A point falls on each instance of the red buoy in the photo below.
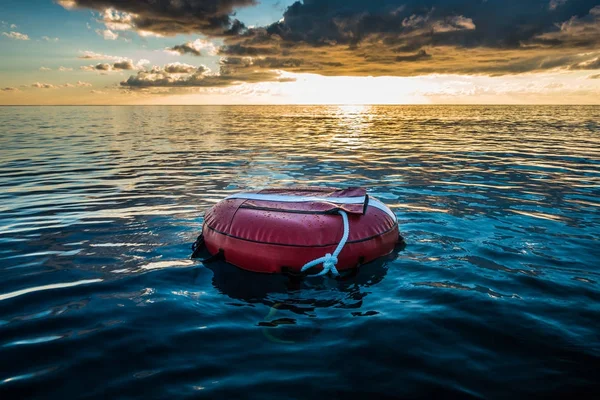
(281, 230)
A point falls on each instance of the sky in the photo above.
(299, 52)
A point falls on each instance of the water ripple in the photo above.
(498, 283)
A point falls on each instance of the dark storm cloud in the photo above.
(409, 37)
(239, 50)
(468, 23)
(277, 63)
(377, 38)
(186, 48)
(172, 17)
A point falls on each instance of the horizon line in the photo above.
(307, 104)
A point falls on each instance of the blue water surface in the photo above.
(496, 295)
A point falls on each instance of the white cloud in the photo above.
(179, 68)
(97, 67)
(13, 26)
(43, 85)
(90, 55)
(83, 84)
(45, 69)
(118, 65)
(117, 20)
(143, 33)
(107, 34)
(140, 64)
(64, 69)
(15, 35)
(49, 39)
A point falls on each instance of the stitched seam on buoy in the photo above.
(395, 226)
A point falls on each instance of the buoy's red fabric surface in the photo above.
(274, 231)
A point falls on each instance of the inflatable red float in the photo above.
(299, 230)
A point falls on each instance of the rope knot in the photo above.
(329, 261)
(329, 264)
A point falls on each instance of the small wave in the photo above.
(53, 286)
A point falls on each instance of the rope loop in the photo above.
(330, 261)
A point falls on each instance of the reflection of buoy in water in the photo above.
(299, 230)
(272, 324)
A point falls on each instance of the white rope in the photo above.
(330, 260)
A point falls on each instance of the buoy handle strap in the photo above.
(329, 261)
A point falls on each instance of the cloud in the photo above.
(420, 55)
(125, 65)
(276, 63)
(122, 64)
(45, 69)
(9, 89)
(554, 4)
(39, 85)
(90, 55)
(427, 22)
(248, 51)
(15, 35)
(597, 76)
(588, 64)
(107, 34)
(364, 38)
(65, 69)
(179, 68)
(97, 67)
(410, 37)
(50, 39)
(83, 84)
(178, 75)
(97, 92)
(554, 85)
(167, 17)
(68, 85)
(196, 48)
(577, 31)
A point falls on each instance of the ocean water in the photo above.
(496, 295)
